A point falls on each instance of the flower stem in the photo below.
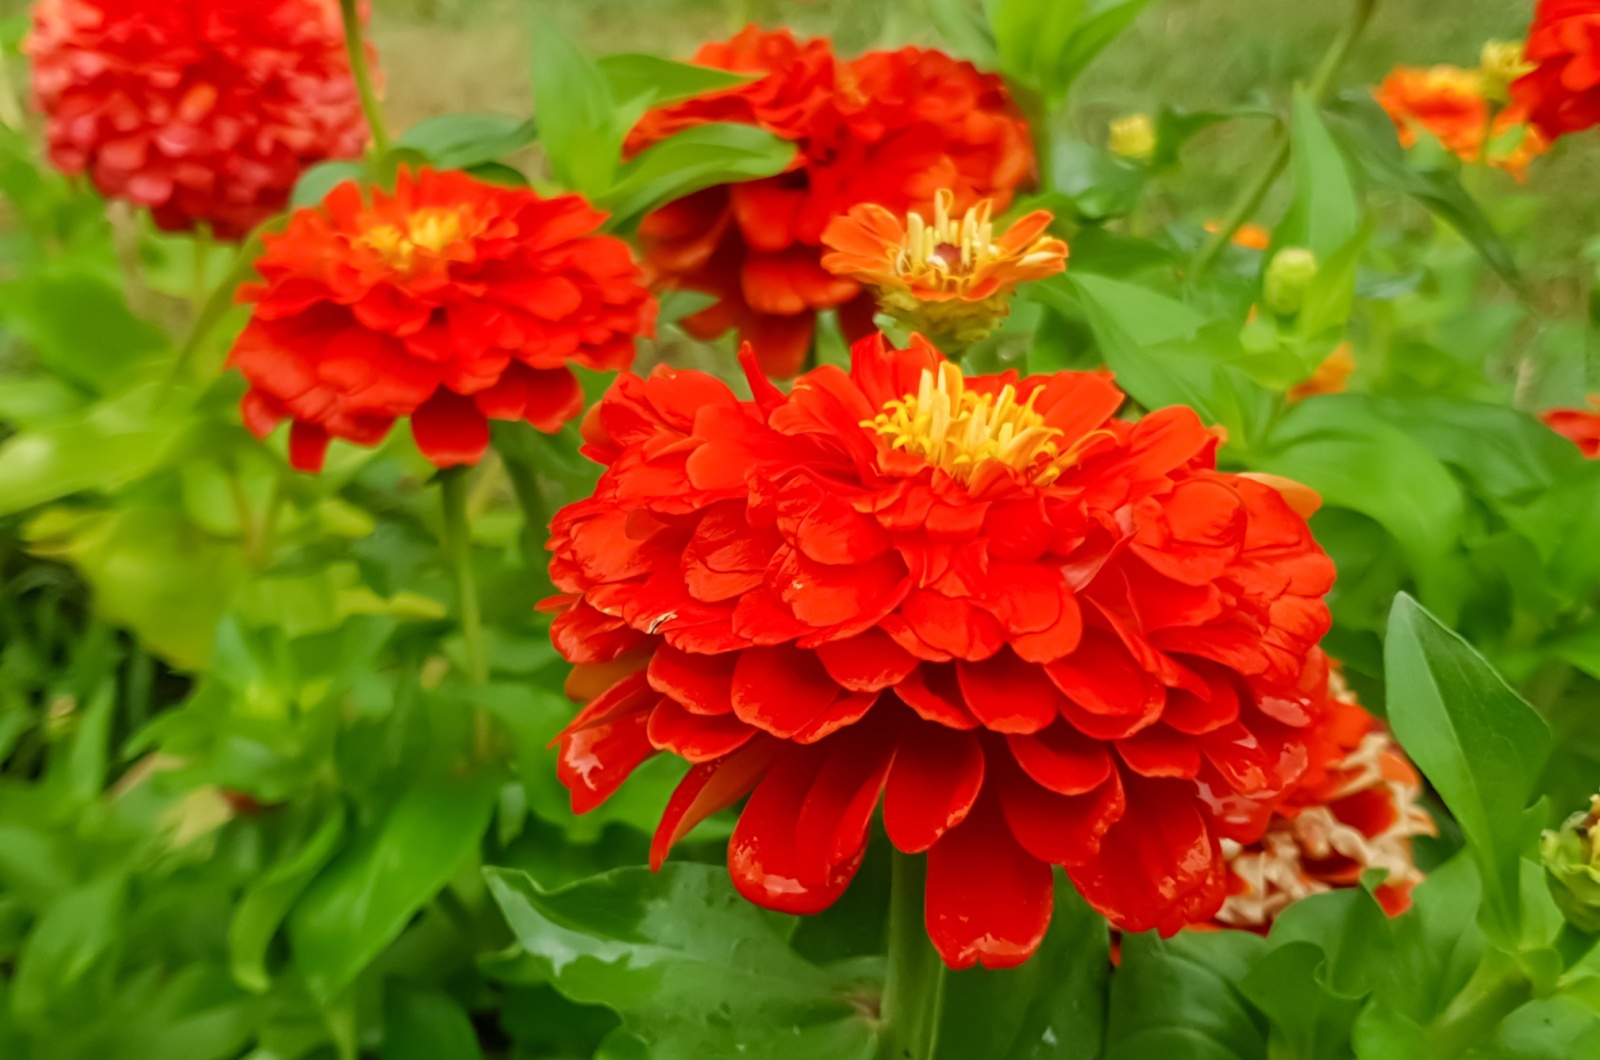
(1255, 190)
(363, 75)
(458, 547)
(1498, 988)
(913, 993)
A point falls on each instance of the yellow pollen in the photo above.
(947, 253)
(973, 436)
(433, 229)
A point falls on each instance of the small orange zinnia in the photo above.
(948, 277)
(449, 301)
(1452, 105)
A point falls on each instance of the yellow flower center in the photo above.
(947, 253)
(433, 229)
(973, 436)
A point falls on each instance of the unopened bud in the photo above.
(1134, 138)
(1572, 868)
(1503, 64)
(1289, 277)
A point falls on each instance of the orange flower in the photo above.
(1580, 426)
(1452, 105)
(890, 128)
(1445, 101)
(1329, 378)
(1249, 236)
(205, 113)
(950, 276)
(450, 301)
(1357, 809)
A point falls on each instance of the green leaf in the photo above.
(1029, 35)
(315, 183)
(1352, 931)
(79, 326)
(694, 159)
(363, 900)
(67, 941)
(1340, 447)
(1324, 215)
(265, 903)
(695, 971)
(1179, 999)
(462, 141)
(426, 1025)
(640, 83)
(1477, 742)
(1555, 1028)
(1051, 1008)
(1105, 21)
(962, 25)
(577, 116)
(1369, 140)
(1309, 1021)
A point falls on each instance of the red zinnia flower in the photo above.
(1580, 426)
(1452, 105)
(202, 112)
(1562, 94)
(890, 128)
(449, 301)
(1043, 635)
(1356, 809)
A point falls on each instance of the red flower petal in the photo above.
(1009, 695)
(763, 856)
(1062, 759)
(709, 787)
(933, 692)
(988, 899)
(450, 430)
(781, 689)
(867, 662)
(695, 737)
(936, 777)
(701, 683)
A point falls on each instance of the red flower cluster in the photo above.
(1041, 634)
(450, 301)
(1562, 94)
(890, 128)
(205, 113)
(1579, 426)
(1355, 809)
(1450, 104)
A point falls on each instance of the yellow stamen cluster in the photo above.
(974, 437)
(947, 254)
(432, 229)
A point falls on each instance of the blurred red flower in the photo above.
(1355, 809)
(450, 301)
(1562, 94)
(1041, 634)
(890, 128)
(205, 113)
(1580, 426)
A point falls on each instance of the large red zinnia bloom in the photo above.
(891, 128)
(1355, 809)
(450, 301)
(1041, 634)
(202, 112)
(1562, 94)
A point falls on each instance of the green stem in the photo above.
(11, 112)
(535, 511)
(458, 547)
(913, 993)
(363, 75)
(1255, 191)
(199, 285)
(1498, 988)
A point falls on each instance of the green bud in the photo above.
(1289, 277)
(1572, 868)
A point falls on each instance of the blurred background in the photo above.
(1197, 54)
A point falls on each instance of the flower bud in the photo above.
(1503, 63)
(1289, 277)
(1572, 867)
(1134, 138)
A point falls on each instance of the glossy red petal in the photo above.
(988, 899)
(763, 855)
(932, 690)
(781, 689)
(932, 786)
(867, 662)
(709, 787)
(703, 684)
(696, 737)
(1062, 759)
(1009, 695)
(450, 430)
